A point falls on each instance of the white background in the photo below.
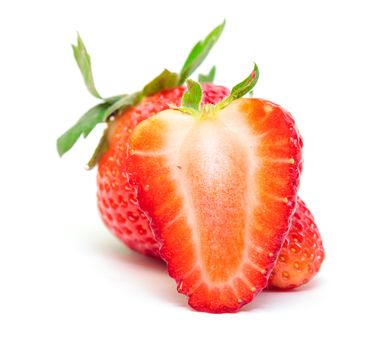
(66, 283)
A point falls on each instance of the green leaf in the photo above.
(113, 99)
(191, 99)
(246, 85)
(165, 80)
(102, 147)
(199, 53)
(84, 63)
(83, 126)
(98, 114)
(208, 78)
(119, 105)
(242, 88)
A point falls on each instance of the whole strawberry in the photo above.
(302, 253)
(117, 198)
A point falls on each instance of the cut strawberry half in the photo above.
(219, 186)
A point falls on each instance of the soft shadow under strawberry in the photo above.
(147, 272)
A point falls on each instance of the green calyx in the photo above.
(199, 53)
(207, 78)
(241, 88)
(191, 100)
(113, 106)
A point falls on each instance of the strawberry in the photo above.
(117, 197)
(302, 253)
(219, 186)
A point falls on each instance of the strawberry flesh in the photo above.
(220, 192)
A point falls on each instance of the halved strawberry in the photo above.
(302, 253)
(219, 187)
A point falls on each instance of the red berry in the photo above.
(302, 253)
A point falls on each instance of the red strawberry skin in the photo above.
(302, 253)
(117, 197)
(220, 193)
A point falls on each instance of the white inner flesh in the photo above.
(187, 133)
